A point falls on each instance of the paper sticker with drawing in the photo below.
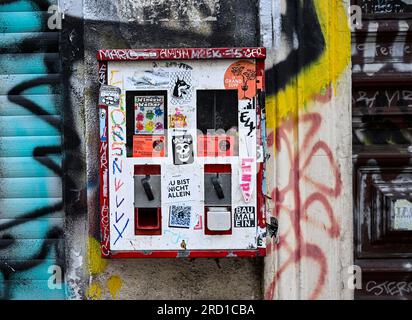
(181, 87)
(178, 119)
(182, 146)
(157, 77)
(241, 75)
(149, 114)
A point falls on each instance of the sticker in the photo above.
(148, 146)
(215, 146)
(178, 120)
(182, 146)
(261, 237)
(199, 224)
(247, 118)
(245, 217)
(109, 100)
(103, 118)
(241, 75)
(402, 215)
(247, 128)
(181, 88)
(150, 78)
(246, 178)
(109, 95)
(179, 189)
(260, 154)
(149, 114)
(181, 186)
(179, 216)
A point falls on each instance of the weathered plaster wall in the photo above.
(127, 24)
(308, 111)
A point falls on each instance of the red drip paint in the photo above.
(300, 212)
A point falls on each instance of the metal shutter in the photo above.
(31, 214)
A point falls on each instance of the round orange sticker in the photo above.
(241, 75)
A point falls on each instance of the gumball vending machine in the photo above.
(182, 152)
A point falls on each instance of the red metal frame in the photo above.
(210, 232)
(218, 168)
(103, 56)
(261, 214)
(104, 194)
(148, 231)
(181, 54)
(260, 252)
(104, 180)
(147, 169)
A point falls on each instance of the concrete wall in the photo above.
(308, 110)
(151, 24)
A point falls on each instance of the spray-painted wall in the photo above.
(309, 141)
(308, 116)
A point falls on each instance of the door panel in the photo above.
(382, 148)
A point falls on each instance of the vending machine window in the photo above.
(146, 123)
(217, 115)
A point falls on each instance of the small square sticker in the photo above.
(180, 216)
(245, 217)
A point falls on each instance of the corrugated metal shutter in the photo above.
(31, 214)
